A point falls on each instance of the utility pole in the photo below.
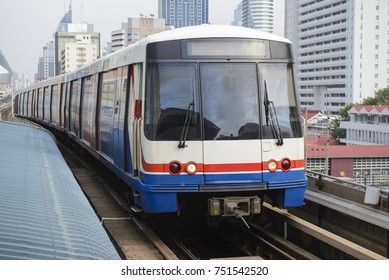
(327, 142)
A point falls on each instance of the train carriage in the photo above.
(200, 119)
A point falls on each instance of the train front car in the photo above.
(221, 124)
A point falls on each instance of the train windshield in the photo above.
(220, 101)
(277, 88)
(230, 100)
(172, 92)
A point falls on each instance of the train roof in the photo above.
(136, 52)
(209, 30)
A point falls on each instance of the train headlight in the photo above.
(272, 165)
(286, 164)
(191, 168)
(175, 168)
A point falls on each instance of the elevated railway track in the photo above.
(283, 236)
(334, 216)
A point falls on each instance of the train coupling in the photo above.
(234, 206)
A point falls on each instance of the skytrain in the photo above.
(199, 119)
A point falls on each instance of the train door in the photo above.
(47, 104)
(67, 107)
(107, 112)
(74, 109)
(119, 118)
(280, 118)
(62, 105)
(27, 104)
(88, 109)
(230, 104)
(32, 109)
(134, 118)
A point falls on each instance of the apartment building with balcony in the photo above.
(341, 50)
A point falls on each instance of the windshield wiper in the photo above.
(185, 128)
(271, 118)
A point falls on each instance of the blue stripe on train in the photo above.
(159, 195)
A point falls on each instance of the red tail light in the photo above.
(286, 164)
(175, 168)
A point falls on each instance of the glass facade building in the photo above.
(258, 14)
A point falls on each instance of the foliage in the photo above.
(343, 115)
(336, 131)
(381, 98)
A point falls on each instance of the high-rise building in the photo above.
(78, 53)
(258, 14)
(136, 29)
(180, 13)
(46, 64)
(49, 59)
(238, 15)
(75, 31)
(341, 50)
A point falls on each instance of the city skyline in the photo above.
(34, 26)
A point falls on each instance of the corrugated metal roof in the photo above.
(43, 212)
(341, 151)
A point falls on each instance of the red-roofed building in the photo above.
(368, 125)
(365, 164)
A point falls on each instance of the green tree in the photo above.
(381, 98)
(336, 131)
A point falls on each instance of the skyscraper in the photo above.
(258, 14)
(66, 19)
(341, 50)
(180, 13)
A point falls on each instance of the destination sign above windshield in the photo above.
(230, 48)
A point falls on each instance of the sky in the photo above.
(26, 25)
